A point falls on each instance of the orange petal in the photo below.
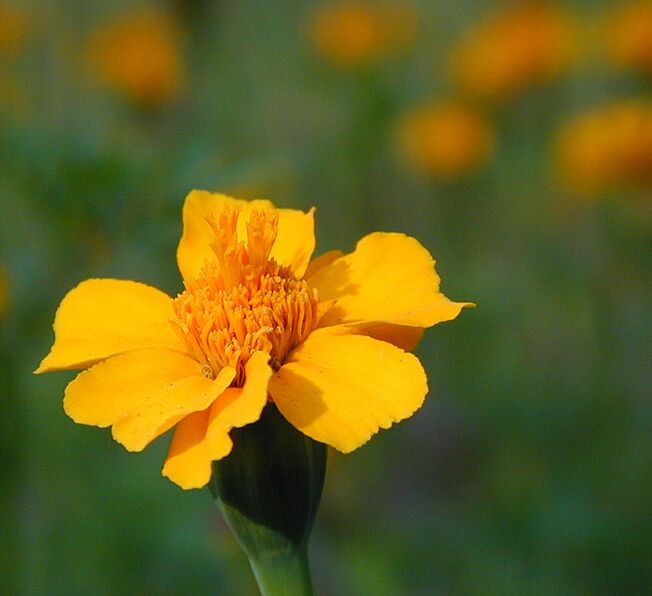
(142, 394)
(340, 389)
(294, 243)
(103, 317)
(203, 437)
(389, 278)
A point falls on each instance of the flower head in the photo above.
(629, 35)
(446, 139)
(257, 321)
(359, 33)
(522, 46)
(609, 146)
(139, 56)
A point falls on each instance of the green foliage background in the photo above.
(529, 469)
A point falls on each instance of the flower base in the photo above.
(269, 489)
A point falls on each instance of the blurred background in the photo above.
(514, 139)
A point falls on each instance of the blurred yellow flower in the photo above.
(446, 139)
(607, 147)
(521, 46)
(629, 35)
(359, 33)
(140, 56)
(14, 27)
(257, 321)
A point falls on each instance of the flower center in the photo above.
(243, 301)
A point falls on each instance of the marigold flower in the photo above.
(514, 49)
(446, 139)
(629, 35)
(606, 147)
(325, 340)
(359, 33)
(14, 27)
(140, 56)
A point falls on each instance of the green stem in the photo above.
(283, 576)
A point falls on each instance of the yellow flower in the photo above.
(629, 36)
(607, 147)
(14, 26)
(446, 139)
(359, 33)
(140, 56)
(517, 48)
(324, 341)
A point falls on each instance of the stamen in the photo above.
(243, 301)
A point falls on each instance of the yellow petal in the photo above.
(188, 464)
(402, 336)
(161, 411)
(294, 243)
(203, 437)
(194, 246)
(103, 317)
(321, 261)
(389, 278)
(142, 394)
(340, 389)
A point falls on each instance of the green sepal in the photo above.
(269, 488)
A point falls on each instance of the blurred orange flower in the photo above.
(359, 33)
(516, 48)
(140, 56)
(14, 27)
(607, 147)
(446, 139)
(629, 36)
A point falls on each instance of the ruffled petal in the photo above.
(340, 389)
(160, 412)
(389, 278)
(203, 437)
(104, 317)
(294, 244)
(142, 394)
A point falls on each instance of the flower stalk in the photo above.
(269, 490)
